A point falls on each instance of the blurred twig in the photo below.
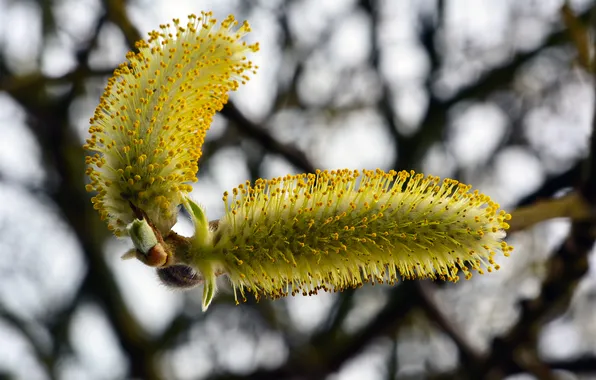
(116, 13)
(579, 33)
(414, 146)
(317, 362)
(572, 206)
(385, 105)
(564, 270)
(468, 356)
(48, 119)
(24, 328)
(266, 140)
(567, 179)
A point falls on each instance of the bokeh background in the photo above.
(492, 93)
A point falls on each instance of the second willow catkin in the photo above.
(339, 229)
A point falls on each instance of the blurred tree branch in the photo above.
(564, 270)
(25, 329)
(572, 206)
(62, 150)
(258, 133)
(432, 127)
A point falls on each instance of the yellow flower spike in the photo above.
(149, 127)
(339, 229)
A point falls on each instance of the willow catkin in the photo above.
(148, 129)
(339, 229)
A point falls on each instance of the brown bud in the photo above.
(155, 257)
(179, 276)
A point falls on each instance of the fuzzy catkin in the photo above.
(149, 127)
(339, 229)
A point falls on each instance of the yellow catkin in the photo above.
(336, 230)
(149, 127)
